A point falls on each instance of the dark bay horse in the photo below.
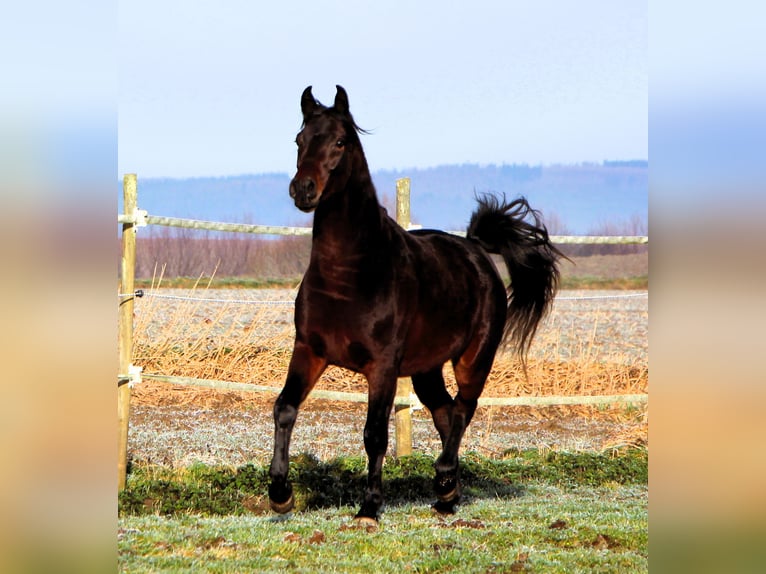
(389, 303)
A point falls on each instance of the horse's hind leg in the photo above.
(431, 391)
(305, 368)
(471, 372)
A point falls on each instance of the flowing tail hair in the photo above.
(532, 260)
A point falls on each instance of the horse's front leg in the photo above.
(305, 368)
(382, 389)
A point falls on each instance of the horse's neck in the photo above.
(350, 225)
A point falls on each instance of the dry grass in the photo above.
(251, 343)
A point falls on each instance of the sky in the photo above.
(213, 88)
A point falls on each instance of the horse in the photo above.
(387, 302)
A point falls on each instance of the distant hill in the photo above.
(578, 197)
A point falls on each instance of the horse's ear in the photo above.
(308, 103)
(341, 100)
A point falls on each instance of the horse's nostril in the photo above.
(304, 188)
(307, 187)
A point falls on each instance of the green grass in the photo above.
(530, 512)
(209, 490)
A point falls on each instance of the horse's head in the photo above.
(328, 137)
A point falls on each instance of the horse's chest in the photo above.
(346, 333)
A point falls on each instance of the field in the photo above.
(554, 489)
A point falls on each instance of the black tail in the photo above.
(531, 258)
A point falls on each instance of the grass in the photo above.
(244, 343)
(626, 271)
(618, 283)
(214, 490)
(529, 512)
(252, 342)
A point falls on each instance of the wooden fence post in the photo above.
(125, 332)
(402, 414)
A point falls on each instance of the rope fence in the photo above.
(141, 293)
(408, 401)
(141, 218)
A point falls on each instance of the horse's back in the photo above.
(457, 260)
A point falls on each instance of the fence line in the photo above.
(142, 218)
(410, 401)
(599, 297)
(141, 293)
(405, 400)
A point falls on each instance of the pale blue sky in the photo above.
(213, 88)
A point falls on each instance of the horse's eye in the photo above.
(340, 143)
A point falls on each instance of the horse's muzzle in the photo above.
(304, 192)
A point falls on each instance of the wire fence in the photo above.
(141, 293)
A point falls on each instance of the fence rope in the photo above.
(206, 300)
(594, 297)
(141, 293)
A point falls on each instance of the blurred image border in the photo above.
(58, 176)
(707, 122)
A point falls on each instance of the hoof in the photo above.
(441, 507)
(366, 523)
(283, 507)
(452, 496)
(447, 488)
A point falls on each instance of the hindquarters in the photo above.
(460, 307)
